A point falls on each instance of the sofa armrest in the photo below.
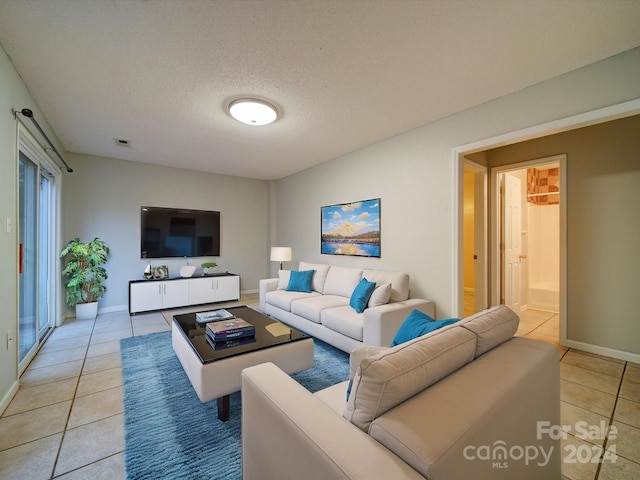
(381, 323)
(288, 433)
(266, 285)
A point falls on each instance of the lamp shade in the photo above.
(280, 254)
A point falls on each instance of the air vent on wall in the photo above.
(122, 142)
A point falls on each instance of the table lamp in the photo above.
(280, 254)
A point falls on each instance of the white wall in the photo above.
(103, 198)
(413, 175)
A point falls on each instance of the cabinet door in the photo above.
(175, 293)
(145, 296)
(227, 288)
(201, 291)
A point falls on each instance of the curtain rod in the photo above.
(29, 114)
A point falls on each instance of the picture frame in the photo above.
(351, 229)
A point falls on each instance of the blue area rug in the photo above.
(169, 433)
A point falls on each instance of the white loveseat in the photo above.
(325, 312)
(468, 401)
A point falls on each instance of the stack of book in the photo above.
(229, 333)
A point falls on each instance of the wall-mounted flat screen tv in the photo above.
(178, 232)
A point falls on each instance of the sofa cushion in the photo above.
(357, 355)
(341, 281)
(380, 295)
(311, 308)
(300, 281)
(360, 353)
(361, 294)
(282, 299)
(416, 325)
(333, 396)
(344, 320)
(399, 282)
(493, 326)
(320, 275)
(283, 279)
(391, 377)
(498, 399)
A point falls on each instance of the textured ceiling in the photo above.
(344, 74)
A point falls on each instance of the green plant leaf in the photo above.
(84, 270)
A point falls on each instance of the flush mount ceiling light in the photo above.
(253, 111)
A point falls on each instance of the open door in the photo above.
(511, 240)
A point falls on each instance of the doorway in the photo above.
(528, 246)
(476, 151)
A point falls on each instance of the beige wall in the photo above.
(103, 198)
(603, 227)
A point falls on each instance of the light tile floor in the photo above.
(66, 421)
(599, 398)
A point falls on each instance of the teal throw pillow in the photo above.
(300, 281)
(418, 324)
(361, 294)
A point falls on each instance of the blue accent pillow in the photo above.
(361, 295)
(300, 281)
(418, 324)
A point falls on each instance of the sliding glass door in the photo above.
(27, 267)
(36, 247)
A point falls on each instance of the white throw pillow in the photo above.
(283, 279)
(380, 295)
(319, 275)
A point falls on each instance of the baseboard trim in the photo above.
(526, 306)
(6, 400)
(120, 308)
(116, 308)
(607, 352)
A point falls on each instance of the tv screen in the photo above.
(178, 232)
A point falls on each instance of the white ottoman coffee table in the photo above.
(215, 374)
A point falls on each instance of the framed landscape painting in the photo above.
(351, 229)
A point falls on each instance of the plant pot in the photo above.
(87, 311)
(209, 270)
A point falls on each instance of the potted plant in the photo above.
(85, 275)
(209, 267)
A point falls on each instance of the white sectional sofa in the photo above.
(464, 402)
(325, 312)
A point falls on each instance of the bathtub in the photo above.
(544, 296)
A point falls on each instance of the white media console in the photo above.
(149, 295)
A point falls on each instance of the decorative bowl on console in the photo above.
(187, 271)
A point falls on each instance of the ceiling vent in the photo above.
(122, 142)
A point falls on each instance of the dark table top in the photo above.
(269, 333)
